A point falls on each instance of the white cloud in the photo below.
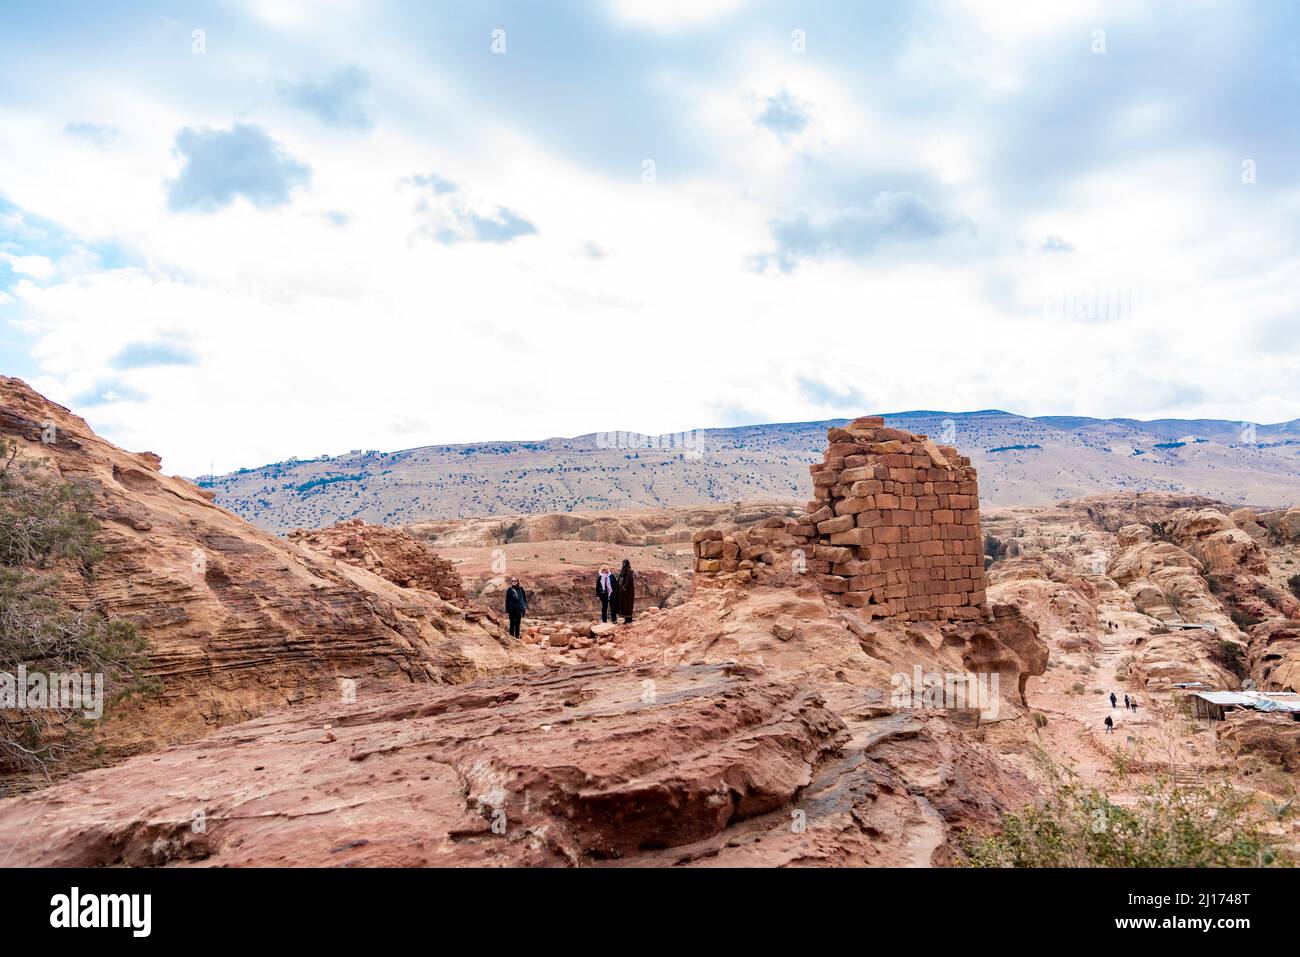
(37, 267)
(335, 322)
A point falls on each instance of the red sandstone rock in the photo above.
(238, 621)
(602, 763)
(393, 553)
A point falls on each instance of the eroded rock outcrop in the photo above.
(1115, 510)
(655, 765)
(1274, 655)
(1212, 537)
(601, 762)
(1273, 737)
(238, 622)
(392, 553)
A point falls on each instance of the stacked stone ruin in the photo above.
(893, 529)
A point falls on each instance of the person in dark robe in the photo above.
(1110, 724)
(607, 592)
(626, 591)
(516, 605)
(1113, 700)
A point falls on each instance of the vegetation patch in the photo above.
(1169, 826)
(47, 530)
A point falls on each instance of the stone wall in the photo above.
(893, 528)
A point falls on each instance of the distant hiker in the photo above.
(1113, 702)
(1110, 724)
(1133, 703)
(626, 591)
(607, 591)
(516, 605)
(1126, 702)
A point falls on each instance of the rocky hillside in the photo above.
(1020, 460)
(749, 723)
(237, 621)
(753, 719)
(1139, 568)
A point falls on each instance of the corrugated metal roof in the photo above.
(1273, 704)
(1224, 697)
(1278, 701)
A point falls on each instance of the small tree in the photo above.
(1230, 656)
(43, 521)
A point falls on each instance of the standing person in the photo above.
(516, 605)
(626, 591)
(1126, 702)
(1113, 702)
(1133, 703)
(607, 590)
(1110, 724)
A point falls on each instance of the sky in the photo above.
(235, 232)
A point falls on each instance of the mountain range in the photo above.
(1021, 461)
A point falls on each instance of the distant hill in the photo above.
(1022, 461)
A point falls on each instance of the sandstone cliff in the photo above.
(238, 621)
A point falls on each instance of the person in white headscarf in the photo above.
(607, 592)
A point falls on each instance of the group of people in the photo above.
(617, 594)
(1130, 704)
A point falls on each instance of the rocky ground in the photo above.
(707, 763)
(750, 720)
(665, 744)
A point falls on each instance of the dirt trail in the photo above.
(1075, 734)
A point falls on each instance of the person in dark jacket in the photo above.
(607, 592)
(626, 591)
(1112, 699)
(516, 605)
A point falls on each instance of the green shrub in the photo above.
(1230, 656)
(43, 520)
(1215, 826)
(1243, 620)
